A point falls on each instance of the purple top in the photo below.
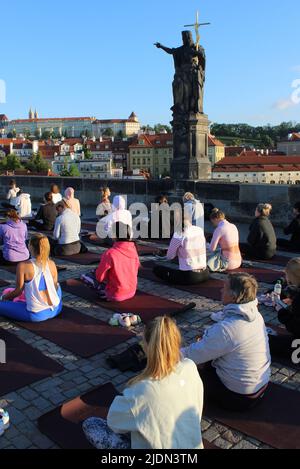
(13, 236)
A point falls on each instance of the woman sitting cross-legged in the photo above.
(224, 246)
(37, 278)
(13, 236)
(162, 407)
(116, 275)
(289, 315)
(189, 246)
(66, 232)
(238, 348)
(262, 237)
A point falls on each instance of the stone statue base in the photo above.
(191, 149)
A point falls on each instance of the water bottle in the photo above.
(277, 291)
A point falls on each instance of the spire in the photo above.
(30, 114)
(36, 116)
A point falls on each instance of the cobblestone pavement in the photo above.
(80, 375)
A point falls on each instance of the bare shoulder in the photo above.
(52, 266)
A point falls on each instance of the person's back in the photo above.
(12, 194)
(119, 269)
(227, 236)
(47, 214)
(23, 205)
(37, 278)
(67, 227)
(167, 413)
(192, 250)
(119, 214)
(262, 236)
(238, 344)
(13, 234)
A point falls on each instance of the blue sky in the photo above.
(96, 58)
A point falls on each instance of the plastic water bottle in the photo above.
(277, 291)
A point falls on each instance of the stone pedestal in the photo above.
(191, 148)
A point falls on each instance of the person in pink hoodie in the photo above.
(116, 275)
(224, 246)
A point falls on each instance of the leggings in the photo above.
(19, 312)
(252, 252)
(172, 274)
(101, 436)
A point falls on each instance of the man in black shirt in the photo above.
(46, 216)
(293, 229)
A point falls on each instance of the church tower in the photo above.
(30, 114)
(36, 116)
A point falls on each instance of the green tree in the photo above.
(108, 132)
(11, 162)
(87, 153)
(37, 164)
(73, 171)
(267, 141)
(46, 134)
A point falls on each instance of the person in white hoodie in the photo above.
(238, 347)
(119, 214)
(23, 205)
(162, 407)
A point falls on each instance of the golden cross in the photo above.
(197, 26)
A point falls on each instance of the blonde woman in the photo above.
(289, 315)
(37, 278)
(262, 237)
(162, 407)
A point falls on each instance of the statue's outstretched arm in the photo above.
(166, 49)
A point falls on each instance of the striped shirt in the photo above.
(190, 248)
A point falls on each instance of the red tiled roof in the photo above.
(257, 169)
(8, 141)
(111, 121)
(154, 141)
(252, 158)
(51, 119)
(214, 142)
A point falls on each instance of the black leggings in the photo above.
(216, 392)
(171, 273)
(252, 252)
(281, 346)
(65, 249)
(287, 244)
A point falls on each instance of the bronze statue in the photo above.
(188, 84)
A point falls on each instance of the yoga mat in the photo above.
(80, 334)
(63, 425)
(3, 283)
(88, 226)
(211, 289)
(24, 365)
(87, 258)
(143, 250)
(275, 421)
(261, 275)
(146, 305)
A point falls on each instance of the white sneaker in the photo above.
(217, 317)
(4, 421)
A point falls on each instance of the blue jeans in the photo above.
(18, 311)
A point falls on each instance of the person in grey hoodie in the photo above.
(238, 347)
